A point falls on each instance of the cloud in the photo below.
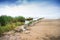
(32, 10)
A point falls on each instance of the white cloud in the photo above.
(33, 10)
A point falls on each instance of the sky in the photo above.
(31, 8)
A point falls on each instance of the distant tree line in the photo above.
(28, 19)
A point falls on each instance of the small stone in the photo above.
(26, 32)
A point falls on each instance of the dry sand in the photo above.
(44, 29)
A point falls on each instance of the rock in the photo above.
(26, 32)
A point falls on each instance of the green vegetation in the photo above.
(28, 19)
(8, 23)
(5, 20)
